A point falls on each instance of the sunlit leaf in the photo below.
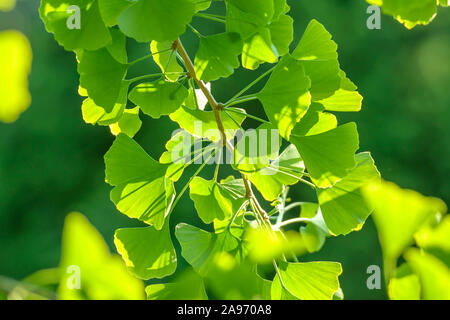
(15, 65)
(311, 280)
(343, 206)
(158, 20)
(102, 76)
(129, 123)
(166, 58)
(286, 96)
(92, 34)
(141, 189)
(404, 285)
(102, 276)
(133, 245)
(158, 98)
(217, 56)
(330, 155)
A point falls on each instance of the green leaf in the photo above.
(246, 17)
(286, 170)
(102, 76)
(217, 56)
(103, 276)
(92, 34)
(166, 58)
(311, 280)
(345, 99)
(110, 10)
(435, 240)
(318, 55)
(201, 248)
(285, 97)
(117, 49)
(158, 20)
(411, 12)
(141, 189)
(188, 286)
(202, 124)
(201, 5)
(228, 280)
(129, 123)
(398, 215)
(258, 49)
(147, 252)
(404, 285)
(158, 98)
(212, 201)
(15, 66)
(328, 156)
(255, 148)
(282, 34)
(315, 121)
(94, 114)
(278, 292)
(434, 275)
(343, 206)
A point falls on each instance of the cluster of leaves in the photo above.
(15, 65)
(411, 12)
(405, 218)
(250, 253)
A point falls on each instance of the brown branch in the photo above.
(217, 107)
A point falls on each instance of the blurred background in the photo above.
(51, 162)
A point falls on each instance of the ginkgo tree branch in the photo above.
(217, 107)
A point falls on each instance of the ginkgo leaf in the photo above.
(129, 123)
(286, 96)
(117, 49)
(179, 153)
(318, 55)
(15, 65)
(110, 10)
(278, 292)
(201, 5)
(141, 188)
(217, 56)
(84, 248)
(434, 275)
(94, 114)
(92, 34)
(187, 286)
(202, 124)
(435, 239)
(404, 285)
(398, 214)
(246, 17)
(286, 170)
(133, 245)
(158, 20)
(212, 201)
(282, 34)
(258, 49)
(315, 121)
(255, 148)
(166, 58)
(201, 248)
(102, 76)
(158, 98)
(311, 280)
(343, 206)
(411, 12)
(330, 155)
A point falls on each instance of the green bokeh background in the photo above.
(51, 162)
